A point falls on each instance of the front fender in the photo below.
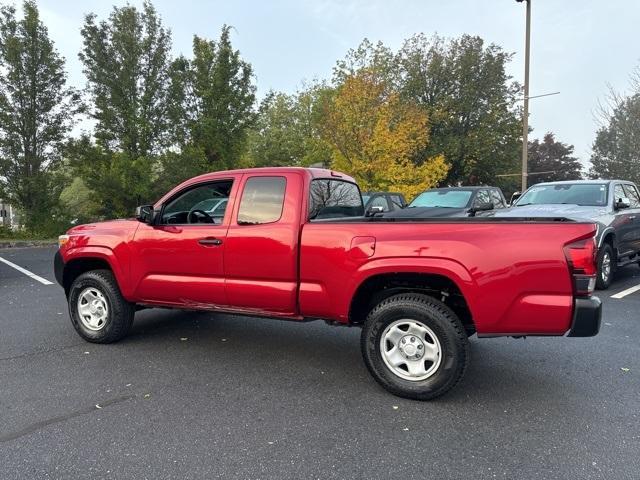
(102, 253)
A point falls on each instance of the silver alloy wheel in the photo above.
(410, 349)
(606, 267)
(93, 309)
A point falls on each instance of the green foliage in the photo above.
(554, 157)
(78, 201)
(211, 108)
(126, 62)
(470, 100)
(616, 149)
(287, 130)
(36, 112)
(177, 166)
(118, 181)
(222, 100)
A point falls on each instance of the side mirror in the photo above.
(373, 210)
(145, 214)
(622, 202)
(481, 207)
(514, 197)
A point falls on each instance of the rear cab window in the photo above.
(329, 198)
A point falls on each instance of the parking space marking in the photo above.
(626, 292)
(38, 278)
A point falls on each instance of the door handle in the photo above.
(210, 241)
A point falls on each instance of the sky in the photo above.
(578, 48)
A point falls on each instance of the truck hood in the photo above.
(549, 210)
(111, 227)
(427, 212)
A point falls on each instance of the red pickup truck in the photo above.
(296, 244)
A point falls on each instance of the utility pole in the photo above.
(525, 119)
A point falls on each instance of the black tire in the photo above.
(604, 281)
(442, 322)
(120, 313)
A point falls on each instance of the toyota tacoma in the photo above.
(294, 243)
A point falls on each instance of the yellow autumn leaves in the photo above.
(377, 138)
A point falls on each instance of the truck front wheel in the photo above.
(97, 309)
(414, 346)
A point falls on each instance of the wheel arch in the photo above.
(609, 236)
(380, 286)
(81, 261)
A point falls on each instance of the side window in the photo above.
(334, 199)
(482, 197)
(196, 204)
(262, 200)
(632, 195)
(496, 198)
(618, 193)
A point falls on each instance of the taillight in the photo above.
(581, 257)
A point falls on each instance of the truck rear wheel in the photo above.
(97, 309)
(414, 346)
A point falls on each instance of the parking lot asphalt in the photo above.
(199, 395)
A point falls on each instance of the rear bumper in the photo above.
(58, 267)
(587, 314)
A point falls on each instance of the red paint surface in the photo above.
(513, 275)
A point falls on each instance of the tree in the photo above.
(127, 64)
(212, 109)
(126, 61)
(287, 130)
(377, 58)
(36, 112)
(616, 149)
(553, 157)
(463, 86)
(374, 136)
(117, 181)
(220, 101)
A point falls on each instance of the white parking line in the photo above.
(43, 281)
(626, 292)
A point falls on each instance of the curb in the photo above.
(27, 243)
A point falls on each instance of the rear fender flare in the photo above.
(444, 267)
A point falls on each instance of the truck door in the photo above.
(623, 222)
(261, 250)
(634, 215)
(179, 260)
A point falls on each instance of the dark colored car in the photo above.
(613, 204)
(452, 202)
(388, 201)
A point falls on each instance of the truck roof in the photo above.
(470, 187)
(585, 182)
(312, 172)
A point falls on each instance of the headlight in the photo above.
(62, 240)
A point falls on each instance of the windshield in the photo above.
(584, 194)
(442, 198)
